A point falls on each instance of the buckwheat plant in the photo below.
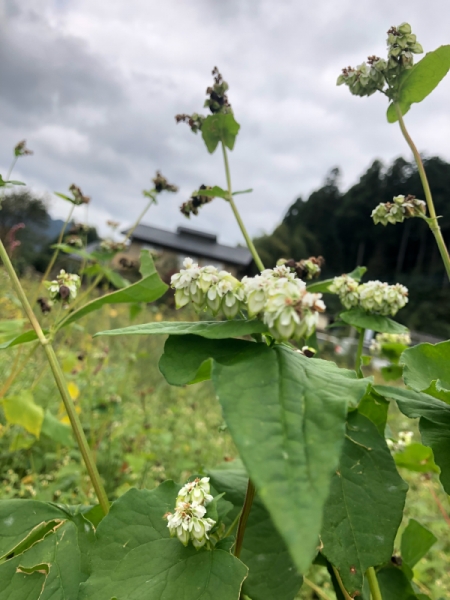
(316, 480)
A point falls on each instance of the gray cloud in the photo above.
(94, 88)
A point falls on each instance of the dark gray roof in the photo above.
(192, 242)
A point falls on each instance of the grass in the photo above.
(144, 431)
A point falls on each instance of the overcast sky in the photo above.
(93, 86)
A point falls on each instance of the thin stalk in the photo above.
(341, 585)
(373, 584)
(60, 382)
(55, 253)
(250, 494)
(316, 589)
(359, 351)
(139, 219)
(438, 503)
(233, 525)
(11, 168)
(433, 220)
(247, 238)
(244, 518)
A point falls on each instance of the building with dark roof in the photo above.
(175, 246)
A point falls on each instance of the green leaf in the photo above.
(203, 372)
(184, 355)
(112, 276)
(434, 423)
(64, 197)
(391, 372)
(416, 541)
(394, 584)
(59, 555)
(214, 330)
(148, 289)
(249, 191)
(286, 414)
(416, 457)
(365, 505)
(364, 320)
(220, 128)
(426, 369)
(20, 520)
(272, 573)
(392, 351)
(17, 585)
(22, 410)
(57, 431)
(214, 192)
(134, 557)
(375, 408)
(23, 338)
(419, 81)
(323, 286)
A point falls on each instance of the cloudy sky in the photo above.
(93, 86)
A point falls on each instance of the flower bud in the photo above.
(404, 28)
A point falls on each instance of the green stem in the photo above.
(247, 238)
(11, 168)
(249, 496)
(139, 219)
(60, 382)
(55, 253)
(316, 589)
(433, 220)
(373, 584)
(359, 351)
(341, 585)
(233, 525)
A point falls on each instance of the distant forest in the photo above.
(338, 226)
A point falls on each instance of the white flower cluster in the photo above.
(347, 289)
(188, 521)
(374, 296)
(277, 294)
(64, 287)
(207, 287)
(389, 338)
(404, 439)
(398, 210)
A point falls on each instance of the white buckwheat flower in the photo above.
(347, 289)
(188, 521)
(290, 310)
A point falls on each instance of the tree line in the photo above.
(337, 225)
